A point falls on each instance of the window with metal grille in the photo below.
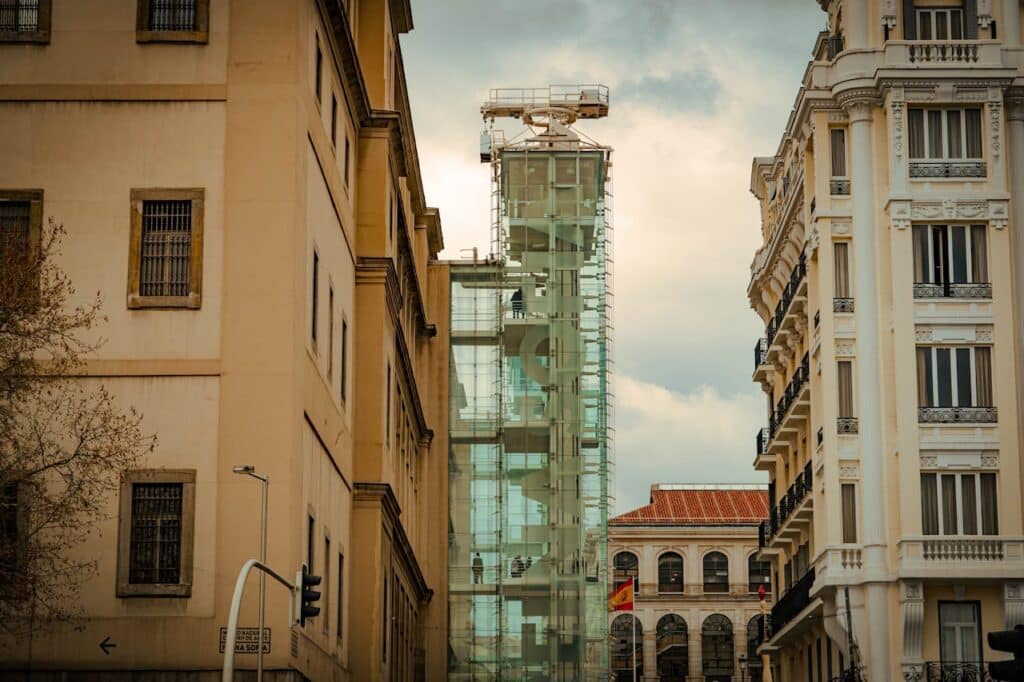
(14, 230)
(172, 15)
(166, 258)
(19, 15)
(716, 572)
(155, 545)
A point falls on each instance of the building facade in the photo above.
(889, 281)
(529, 438)
(692, 553)
(249, 169)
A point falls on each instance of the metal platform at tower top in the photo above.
(578, 101)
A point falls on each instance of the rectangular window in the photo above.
(341, 595)
(157, 511)
(315, 298)
(327, 584)
(841, 260)
(837, 137)
(25, 21)
(318, 74)
(954, 503)
(348, 160)
(945, 134)
(334, 120)
(954, 376)
(330, 332)
(11, 537)
(845, 381)
(310, 540)
(21, 218)
(950, 255)
(959, 634)
(172, 21)
(942, 23)
(849, 495)
(166, 248)
(344, 357)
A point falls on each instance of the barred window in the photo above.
(155, 553)
(19, 15)
(9, 535)
(156, 521)
(172, 15)
(166, 248)
(165, 265)
(14, 230)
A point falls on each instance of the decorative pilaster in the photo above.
(984, 13)
(912, 605)
(898, 135)
(888, 10)
(994, 106)
(1013, 605)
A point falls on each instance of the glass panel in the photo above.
(979, 254)
(954, 134)
(963, 377)
(989, 506)
(838, 139)
(915, 121)
(969, 501)
(958, 259)
(929, 505)
(922, 274)
(924, 25)
(849, 492)
(983, 376)
(950, 526)
(924, 377)
(670, 573)
(941, 26)
(939, 254)
(973, 125)
(845, 371)
(841, 252)
(935, 150)
(956, 25)
(945, 377)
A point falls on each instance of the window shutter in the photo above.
(971, 19)
(909, 21)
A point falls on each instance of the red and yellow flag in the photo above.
(622, 598)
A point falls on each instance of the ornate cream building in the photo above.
(239, 179)
(693, 553)
(891, 284)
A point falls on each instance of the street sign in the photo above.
(247, 640)
(107, 645)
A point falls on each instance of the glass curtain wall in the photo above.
(529, 441)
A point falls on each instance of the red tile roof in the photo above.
(697, 506)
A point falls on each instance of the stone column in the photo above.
(1010, 25)
(855, 21)
(861, 107)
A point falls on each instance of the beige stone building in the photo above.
(239, 179)
(693, 554)
(890, 283)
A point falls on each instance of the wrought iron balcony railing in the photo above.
(952, 290)
(787, 504)
(948, 169)
(838, 187)
(957, 415)
(795, 600)
(961, 671)
(760, 352)
(846, 425)
(788, 294)
(842, 305)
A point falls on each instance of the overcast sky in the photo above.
(698, 87)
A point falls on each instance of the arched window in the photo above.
(716, 648)
(673, 649)
(716, 572)
(670, 572)
(754, 639)
(627, 648)
(758, 573)
(626, 566)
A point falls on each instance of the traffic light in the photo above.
(1011, 641)
(307, 595)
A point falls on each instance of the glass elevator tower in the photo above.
(530, 440)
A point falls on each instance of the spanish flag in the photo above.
(622, 598)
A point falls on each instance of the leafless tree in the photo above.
(64, 442)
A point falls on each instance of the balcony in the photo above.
(761, 360)
(964, 556)
(794, 291)
(763, 455)
(947, 169)
(790, 505)
(842, 305)
(982, 290)
(795, 600)
(962, 671)
(793, 395)
(957, 415)
(925, 54)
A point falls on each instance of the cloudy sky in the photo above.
(698, 87)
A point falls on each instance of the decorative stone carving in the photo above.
(899, 214)
(990, 460)
(888, 8)
(923, 335)
(812, 242)
(845, 348)
(1013, 604)
(998, 214)
(840, 228)
(984, 13)
(983, 335)
(912, 602)
(929, 461)
(897, 112)
(849, 470)
(995, 117)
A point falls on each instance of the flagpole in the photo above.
(633, 580)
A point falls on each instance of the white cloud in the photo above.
(663, 436)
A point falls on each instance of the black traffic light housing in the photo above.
(1011, 641)
(308, 596)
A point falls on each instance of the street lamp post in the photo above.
(250, 470)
